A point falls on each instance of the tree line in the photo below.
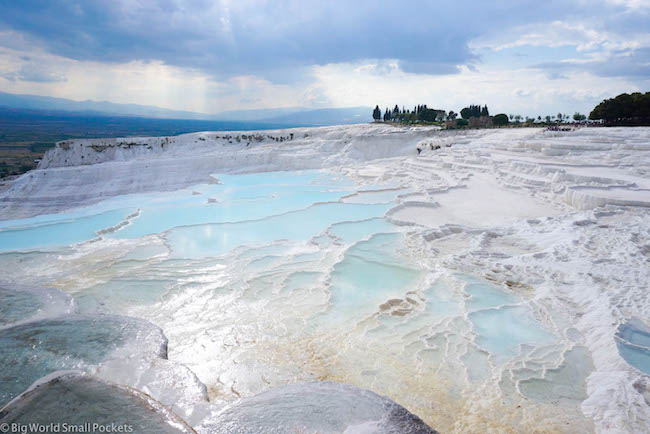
(625, 109)
(422, 113)
(474, 111)
(426, 114)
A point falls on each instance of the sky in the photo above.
(517, 56)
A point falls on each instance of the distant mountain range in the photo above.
(298, 116)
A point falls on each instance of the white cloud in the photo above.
(227, 55)
(526, 91)
(523, 91)
(137, 82)
(631, 4)
(584, 37)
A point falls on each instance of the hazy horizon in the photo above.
(47, 103)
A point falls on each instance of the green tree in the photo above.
(474, 111)
(578, 117)
(625, 109)
(427, 115)
(376, 114)
(500, 119)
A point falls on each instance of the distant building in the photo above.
(451, 124)
(480, 122)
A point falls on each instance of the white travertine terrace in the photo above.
(559, 219)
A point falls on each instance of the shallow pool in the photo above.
(263, 280)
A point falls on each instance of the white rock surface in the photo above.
(82, 172)
(561, 217)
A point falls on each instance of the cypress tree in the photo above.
(376, 113)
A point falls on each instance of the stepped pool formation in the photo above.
(366, 278)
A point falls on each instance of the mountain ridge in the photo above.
(297, 115)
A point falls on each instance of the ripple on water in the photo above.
(34, 349)
(24, 304)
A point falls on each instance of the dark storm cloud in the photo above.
(279, 39)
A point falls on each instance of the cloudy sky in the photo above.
(518, 56)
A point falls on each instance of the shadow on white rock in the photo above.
(76, 400)
(323, 407)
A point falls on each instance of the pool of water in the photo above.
(633, 341)
(263, 280)
(235, 199)
(59, 232)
